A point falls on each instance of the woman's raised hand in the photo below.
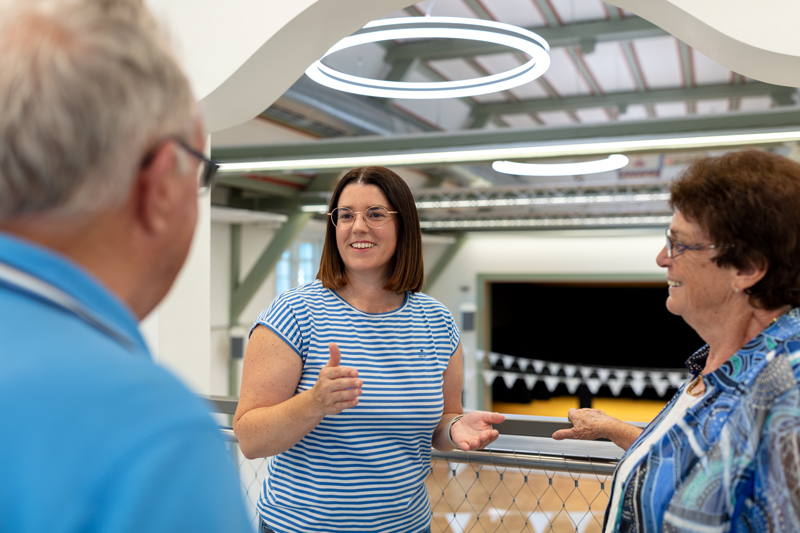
(337, 387)
(474, 431)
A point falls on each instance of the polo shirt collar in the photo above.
(69, 277)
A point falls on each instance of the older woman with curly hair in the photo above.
(724, 454)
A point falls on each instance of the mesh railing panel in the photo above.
(475, 498)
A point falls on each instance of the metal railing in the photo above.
(525, 482)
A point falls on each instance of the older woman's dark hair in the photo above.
(407, 271)
(749, 200)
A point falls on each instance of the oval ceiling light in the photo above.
(613, 162)
(438, 28)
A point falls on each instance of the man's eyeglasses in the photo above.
(676, 248)
(208, 167)
(376, 216)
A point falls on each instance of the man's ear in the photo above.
(155, 189)
(751, 274)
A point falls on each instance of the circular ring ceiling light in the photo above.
(613, 162)
(438, 28)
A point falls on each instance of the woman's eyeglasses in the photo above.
(676, 248)
(375, 217)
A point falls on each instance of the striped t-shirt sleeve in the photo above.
(455, 334)
(281, 318)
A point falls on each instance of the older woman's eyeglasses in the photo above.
(676, 248)
(376, 216)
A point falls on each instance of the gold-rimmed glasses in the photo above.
(375, 217)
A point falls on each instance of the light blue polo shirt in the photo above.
(95, 437)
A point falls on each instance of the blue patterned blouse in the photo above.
(735, 463)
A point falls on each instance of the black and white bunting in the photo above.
(572, 375)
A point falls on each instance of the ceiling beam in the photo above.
(638, 78)
(286, 187)
(772, 119)
(266, 262)
(570, 35)
(706, 92)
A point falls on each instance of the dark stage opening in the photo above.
(612, 324)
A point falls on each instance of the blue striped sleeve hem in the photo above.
(282, 337)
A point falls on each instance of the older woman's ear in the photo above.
(750, 275)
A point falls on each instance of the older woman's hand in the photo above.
(474, 431)
(592, 424)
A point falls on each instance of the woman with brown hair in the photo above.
(724, 454)
(349, 380)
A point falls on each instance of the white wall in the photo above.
(552, 252)
(176, 331)
(254, 240)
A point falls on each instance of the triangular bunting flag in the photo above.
(593, 384)
(523, 363)
(493, 357)
(661, 385)
(530, 381)
(554, 368)
(637, 383)
(570, 370)
(551, 382)
(603, 374)
(508, 361)
(509, 379)
(616, 386)
(676, 379)
(538, 366)
(586, 372)
(573, 384)
(488, 377)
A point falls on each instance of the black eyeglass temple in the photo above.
(211, 166)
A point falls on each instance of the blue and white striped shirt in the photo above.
(364, 469)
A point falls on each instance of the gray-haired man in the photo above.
(100, 147)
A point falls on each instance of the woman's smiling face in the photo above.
(364, 249)
(699, 290)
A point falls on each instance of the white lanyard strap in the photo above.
(56, 296)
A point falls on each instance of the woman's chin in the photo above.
(673, 307)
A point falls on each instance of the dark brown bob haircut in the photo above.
(407, 271)
(749, 200)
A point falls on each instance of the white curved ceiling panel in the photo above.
(757, 39)
(707, 71)
(242, 55)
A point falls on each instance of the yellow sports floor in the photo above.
(622, 408)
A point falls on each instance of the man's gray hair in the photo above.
(87, 87)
